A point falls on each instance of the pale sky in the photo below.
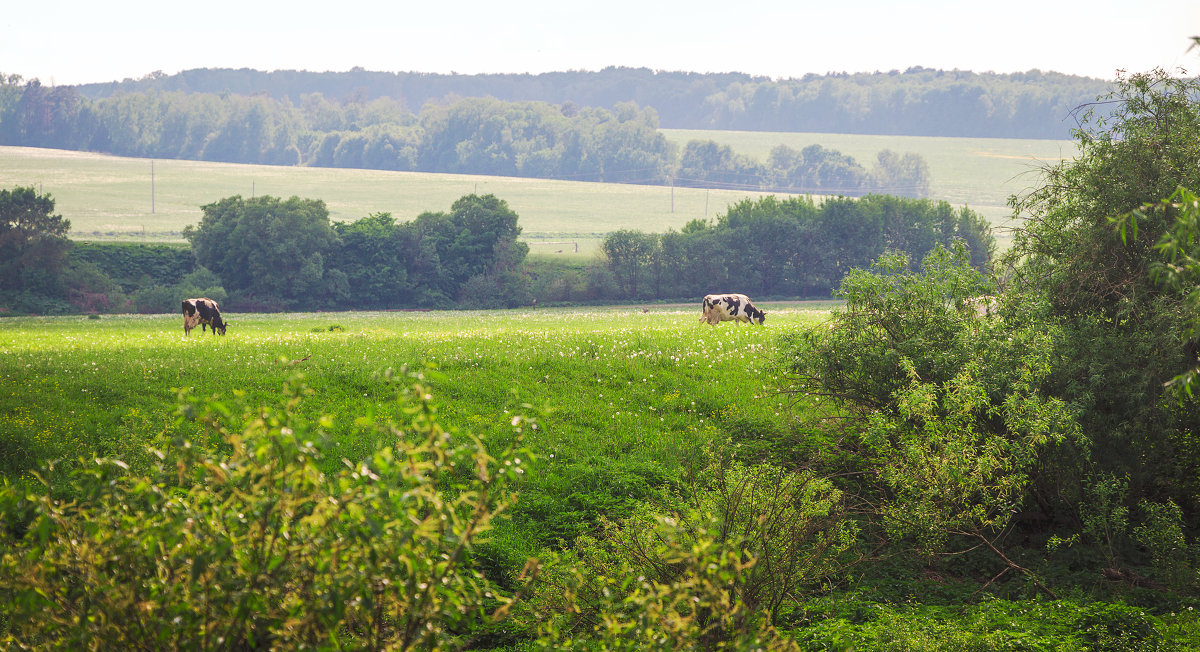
(81, 41)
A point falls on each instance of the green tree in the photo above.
(948, 410)
(629, 255)
(1122, 335)
(371, 256)
(266, 247)
(33, 243)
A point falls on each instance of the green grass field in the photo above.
(626, 402)
(628, 397)
(111, 198)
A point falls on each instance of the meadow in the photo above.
(626, 399)
(627, 404)
(114, 198)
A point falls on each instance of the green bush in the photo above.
(714, 569)
(250, 544)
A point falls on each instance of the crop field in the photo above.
(980, 173)
(111, 198)
(130, 199)
(625, 398)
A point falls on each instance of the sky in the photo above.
(83, 41)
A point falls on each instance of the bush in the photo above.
(714, 570)
(250, 544)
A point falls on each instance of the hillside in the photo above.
(109, 197)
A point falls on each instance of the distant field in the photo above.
(978, 172)
(111, 198)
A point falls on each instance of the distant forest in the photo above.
(581, 126)
(915, 102)
(468, 136)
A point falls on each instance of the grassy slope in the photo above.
(108, 197)
(978, 172)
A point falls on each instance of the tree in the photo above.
(630, 254)
(266, 247)
(948, 411)
(372, 257)
(1122, 336)
(33, 242)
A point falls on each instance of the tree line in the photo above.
(469, 136)
(269, 254)
(789, 247)
(914, 102)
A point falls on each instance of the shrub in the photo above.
(714, 570)
(250, 544)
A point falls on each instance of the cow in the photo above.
(204, 312)
(730, 307)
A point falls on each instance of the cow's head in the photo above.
(219, 326)
(756, 316)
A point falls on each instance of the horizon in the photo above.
(130, 39)
(553, 72)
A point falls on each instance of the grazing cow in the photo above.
(204, 312)
(730, 307)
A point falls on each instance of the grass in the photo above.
(111, 198)
(627, 399)
(626, 403)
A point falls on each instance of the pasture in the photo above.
(626, 399)
(626, 404)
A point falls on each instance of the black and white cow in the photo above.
(204, 312)
(730, 307)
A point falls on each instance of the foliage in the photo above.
(856, 622)
(1122, 336)
(37, 273)
(542, 131)
(916, 101)
(787, 247)
(250, 544)
(1179, 270)
(813, 170)
(715, 568)
(268, 247)
(33, 243)
(135, 266)
(950, 408)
